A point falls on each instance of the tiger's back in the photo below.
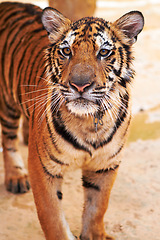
(23, 41)
(73, 86)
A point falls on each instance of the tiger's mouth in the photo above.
(83, 102)
(82, 106)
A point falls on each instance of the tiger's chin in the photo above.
(82, 108)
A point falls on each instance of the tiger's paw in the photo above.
(16, 181)
(16, 176)
(108, 237)
(96, 237)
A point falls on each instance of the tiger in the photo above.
(72, 83)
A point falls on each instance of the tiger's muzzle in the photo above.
(81, 77)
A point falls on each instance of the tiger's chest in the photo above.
(78, 143)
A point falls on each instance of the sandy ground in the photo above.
(134, 212)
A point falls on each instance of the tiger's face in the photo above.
(90, 59)
(85, 59)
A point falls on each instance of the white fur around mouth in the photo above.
(82, 107)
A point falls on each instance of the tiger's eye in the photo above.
(66, 51)
(104, 52)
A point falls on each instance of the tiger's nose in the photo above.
(81, 77)
(80, 87)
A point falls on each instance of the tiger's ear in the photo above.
(131, 24)
(55, 23)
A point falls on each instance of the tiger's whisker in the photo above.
(53, 103)
(34, 91)
(46, 80)
(32, 99)
(37, 102)
(118, 103)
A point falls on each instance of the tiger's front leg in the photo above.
(48, 196)
(97, 188)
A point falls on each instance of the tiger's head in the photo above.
(89, 59)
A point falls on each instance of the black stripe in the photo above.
(7, 124)
(122, 82)
(56, 160)
(9, 135)
(43, 73)
(2, 29)
(114, 38)
(59, 195)
(31, 77)
(15, 51)
(52, 157)
(34, 82)
(12, 137)
(110, 79)
(128, 54)
(27, 7)
(32, 66)
(20, 72)
(32, 35)
(19, 31)
(118, 151)
(20, 69)
(11, 149)
(118, 72)
(120, 118)
(4, 9)
(128, 123)
(11, 112)
(51, 64)
(44, 168)
(106, 24)
(51, 135)
(13, 14)
(113, 61)
(120, 49)
(18, 167)
(4, 132)
(14, 117)
(112, 156)
(15, 25)
(40, 79)
(15, 36)
(26, 47)
(9, 107)
(61, 130)
(19, 93)
(88, 184)
(3, 65)
(20, 47)
(107, 170)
